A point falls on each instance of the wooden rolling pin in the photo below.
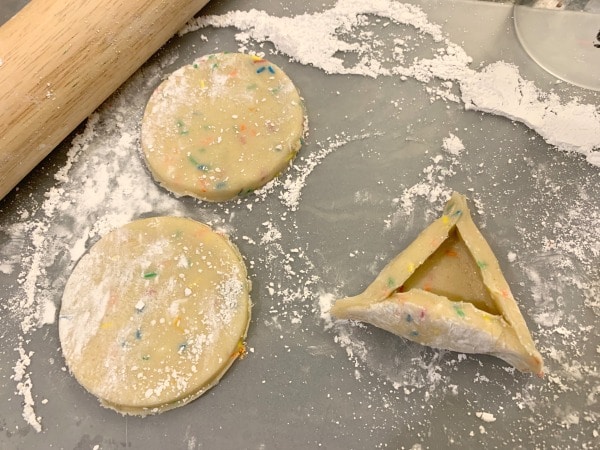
(60, 59)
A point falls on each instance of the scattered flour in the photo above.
(108, 187)
(498, 88)
(326, 28)
(325, 302)
(485, 416)
(296, 179)
(453, 145)
(24, 385)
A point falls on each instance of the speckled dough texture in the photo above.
(446, 290)
(222, 127)
(154, 314)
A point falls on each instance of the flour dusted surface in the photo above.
(372, 171)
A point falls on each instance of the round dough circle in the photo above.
(222, 127)
(154, 314)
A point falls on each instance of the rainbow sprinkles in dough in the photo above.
(222, 127)
(446, 290)
(154, 314)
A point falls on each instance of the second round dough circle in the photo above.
(223, 126)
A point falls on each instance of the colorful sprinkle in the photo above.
(149, 275)
(199, 166)
(411, 267)
(261, 69)
(459, 310)
(240, 351)
(449, 207)
(182, 347)
(414, 333)
(182, 128)
(482, 264)
(221, 185)
(452, 253)
(177, 322)
(245, 191)
(391, 282)
(138, 334)
(409, 318)
(271, 69)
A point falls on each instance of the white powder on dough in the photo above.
(94, 195)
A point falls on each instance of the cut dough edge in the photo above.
(286, 143)
(436, 320)
(233, 350)
(182, 401)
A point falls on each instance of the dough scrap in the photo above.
(222, 127)
(154, 314)
(446, 290)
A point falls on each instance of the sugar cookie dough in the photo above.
(222, 126)
(446, 290)
(154, 314)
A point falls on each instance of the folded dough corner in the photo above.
(446, 290)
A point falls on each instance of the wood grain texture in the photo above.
(60, 59)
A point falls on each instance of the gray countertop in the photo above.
(374, 171)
